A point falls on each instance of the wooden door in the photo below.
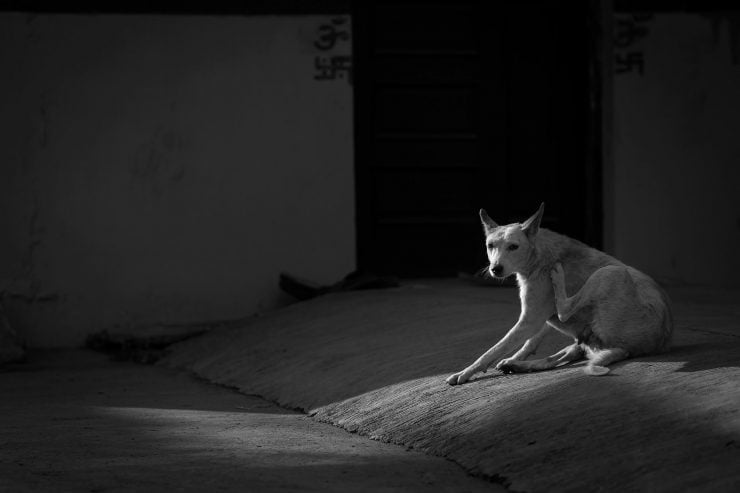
(457, 109)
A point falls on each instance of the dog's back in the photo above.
(579, 260)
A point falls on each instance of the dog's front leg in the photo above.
(529, 347)
(537, 306)
(526, 327)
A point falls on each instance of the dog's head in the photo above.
(509, 247)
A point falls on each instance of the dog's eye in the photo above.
(489, 246)
(512, 247)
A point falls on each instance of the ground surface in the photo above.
(374, 362)
(74, 421)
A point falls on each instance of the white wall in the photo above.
(165, 169)
(677, 152)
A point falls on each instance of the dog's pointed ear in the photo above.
(488, 223)
(532, 225)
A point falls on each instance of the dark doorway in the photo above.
(460, 107)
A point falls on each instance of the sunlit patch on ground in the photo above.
(75, 422)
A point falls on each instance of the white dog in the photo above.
(613, 312)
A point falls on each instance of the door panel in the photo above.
(414, 109)
(423, 26)
(425, 152)
(443, 190)
(457, 109)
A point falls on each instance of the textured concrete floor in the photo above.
(74, 421)
(374, 363)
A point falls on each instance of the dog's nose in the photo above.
(497, 269)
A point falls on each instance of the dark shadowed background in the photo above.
(164, 165)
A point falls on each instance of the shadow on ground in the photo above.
(702, 356)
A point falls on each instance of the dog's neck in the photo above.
(541, 260)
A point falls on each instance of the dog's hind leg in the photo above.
(599, 359)
(566, 355)
(566, 306)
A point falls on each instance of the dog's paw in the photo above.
(504, 362)
(512, 366)
(461, 377)
(596, 370)
(454, 379)
(557, 275)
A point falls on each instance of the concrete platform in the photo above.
(74, 421)
(374, 363)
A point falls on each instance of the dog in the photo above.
(611, 310)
